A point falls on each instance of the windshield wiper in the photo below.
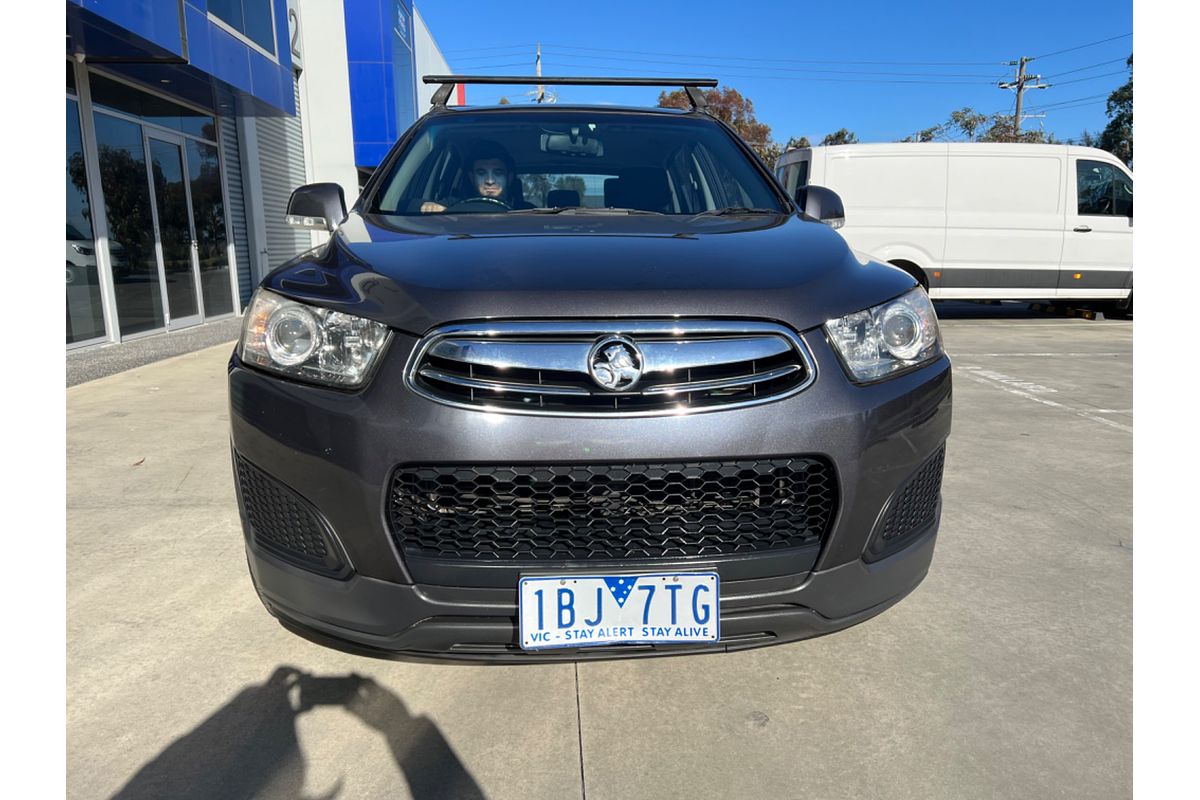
(730, 211)
(584, 209)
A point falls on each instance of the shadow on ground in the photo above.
(249, 747)
(1008, 309)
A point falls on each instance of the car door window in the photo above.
(1123, 202)
(1102, 190)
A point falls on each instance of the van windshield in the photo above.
(572, 162)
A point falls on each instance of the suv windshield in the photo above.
(500, 162)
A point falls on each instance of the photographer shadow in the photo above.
(249, 747)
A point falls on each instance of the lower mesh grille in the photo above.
(611, 511)
(915, 505)
(282, 523)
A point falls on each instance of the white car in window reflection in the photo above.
(81, 258)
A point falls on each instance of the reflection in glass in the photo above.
(175, 234)
(85, 312)
(108, 93)
(208, 210)
(131, 231)
(251, 18)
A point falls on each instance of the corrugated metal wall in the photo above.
(237, 205)
(281, 160)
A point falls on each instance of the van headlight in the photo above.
(310, 343)
(892, 337)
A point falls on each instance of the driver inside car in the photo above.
(490, 174)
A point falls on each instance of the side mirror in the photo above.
(822, 204)
(317, 206)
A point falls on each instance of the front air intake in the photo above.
(912, 509)
(615, 512)
(284, 525)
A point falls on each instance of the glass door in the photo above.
(175, 237)
(131, 243)
(208, 219)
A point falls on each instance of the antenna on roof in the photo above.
(691, 86)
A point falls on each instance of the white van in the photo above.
(984, 221)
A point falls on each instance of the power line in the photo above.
(1072, 105)
(1090, 78)
(1072, 100)
(497, 47)
(710, 56)
(782, 60)
(498, 66)
(691, 64)
(1089, 66)
(776, 77)
(1082, 46)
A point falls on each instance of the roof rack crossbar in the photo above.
(690, 85)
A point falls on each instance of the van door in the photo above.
(895, 202)
(1097, 257)
(1004, 219)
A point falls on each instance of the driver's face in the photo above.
(491, 177)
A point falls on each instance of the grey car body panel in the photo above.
(414, 274)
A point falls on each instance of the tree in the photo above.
(1003, 128)
(968, 121)
(126, 200)
(728, 105)
(571, 182)
(769, 153)
(795, 142)
(926, 135)
(535, 187)
(840, 136)
(1117, 137)
(504, 101)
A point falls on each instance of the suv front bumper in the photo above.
(338, 450)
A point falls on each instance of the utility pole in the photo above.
(1021, 84)
(541, 94)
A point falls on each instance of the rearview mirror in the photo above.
(576, 142)
(317, 206)
(821, 204)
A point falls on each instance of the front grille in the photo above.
(283, 524)
(914, 506)
(673, 367)
(616, 512)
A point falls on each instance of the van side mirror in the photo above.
(822, 204)
(317, 206)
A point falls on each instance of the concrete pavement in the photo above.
(1006, 674)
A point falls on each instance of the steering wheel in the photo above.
(482, 204)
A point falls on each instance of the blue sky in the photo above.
(796, 60)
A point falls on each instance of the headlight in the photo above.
(889, 338)
(310, 343)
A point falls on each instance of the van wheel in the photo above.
(915, 271)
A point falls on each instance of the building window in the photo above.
(251, 18)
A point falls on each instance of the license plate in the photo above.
(590, 610)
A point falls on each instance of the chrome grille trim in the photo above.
(723, 383)
(554, 355)
(501, 386)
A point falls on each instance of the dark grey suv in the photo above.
(575, 381)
